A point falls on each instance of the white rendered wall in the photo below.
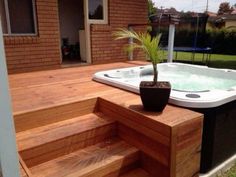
(8, 155)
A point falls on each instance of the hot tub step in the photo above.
(47, 142)
(98, 160)
(139, 172)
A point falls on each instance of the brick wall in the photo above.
(25, 53)
(121, 13)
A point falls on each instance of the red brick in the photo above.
(29, 53)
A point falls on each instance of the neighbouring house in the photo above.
(230, 21)
(43, 34)
(227, 21)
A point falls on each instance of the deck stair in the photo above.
(61, 113)
(109, 157)
(138, 172)
(84, 145)
(47, 142)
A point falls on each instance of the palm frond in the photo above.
(144, 41)
(125, 34)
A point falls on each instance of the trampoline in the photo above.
(206, 52)
(198, 24)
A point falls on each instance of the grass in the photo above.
(217, 60)
(230, 173)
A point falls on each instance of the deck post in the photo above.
(9, 162)
(171, 43)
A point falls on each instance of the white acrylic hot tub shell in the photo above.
(211, 98)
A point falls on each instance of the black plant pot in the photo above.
(154, 96)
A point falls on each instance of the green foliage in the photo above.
(230, 173)
(143, 41)
(151, 8)
(222, 41)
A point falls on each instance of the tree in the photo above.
(224, 8)
(151, 8)
(172, 10)
(187, 14)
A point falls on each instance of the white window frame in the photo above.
(9, 33)
(105, 14)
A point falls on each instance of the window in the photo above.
(18, 17)
(97, 11)
(3, 16)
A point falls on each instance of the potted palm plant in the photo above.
(154, 94)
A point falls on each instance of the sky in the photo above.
(192, 5)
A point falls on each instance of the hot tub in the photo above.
(192, 86)
(206, 90)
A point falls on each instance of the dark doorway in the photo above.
(71, 16)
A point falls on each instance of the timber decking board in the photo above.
(176, 129)
(153, 167)
(134, 119)
(41, 144)
(54, 114)
(50, 88)
(46, 134)
(24, 171)
(98, 160)
(188, 148)
(29, 94)
(170, 116)
(154, 149)
(39, 78)
(136, 173)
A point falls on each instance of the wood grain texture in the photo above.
(188, 148)
(136, 173)
(154, 129)
(24, 170)
(45, 98)
(39, 90)
(50, 115)
(45, 143)
(154, 149)
(22, 173)
(173, 137)
(46, 134)
(153, 167)
(47, 89)
(98, 160)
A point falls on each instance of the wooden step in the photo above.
(98, 160)
(47, 142)
(139, 172)
(22, 172)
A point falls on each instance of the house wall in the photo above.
(27, 53)
(121, 13)
(230, 23)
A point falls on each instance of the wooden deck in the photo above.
(36, 90)
(172, 138)
(46, 89)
